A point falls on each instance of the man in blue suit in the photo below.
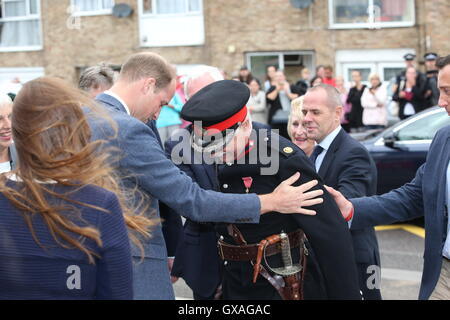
(196, 257)
(428, 194)
(146, 83)
(343, 163)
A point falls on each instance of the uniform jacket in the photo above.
(327, 231)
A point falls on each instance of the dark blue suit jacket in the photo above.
(425, 195)
(349, 168)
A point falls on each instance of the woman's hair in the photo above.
(53, 141)
(296, 111)
(267, 71)
(256, 80)
(374, 75)
(101, 75)
(313, 80)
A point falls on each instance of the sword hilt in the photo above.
(286, 250)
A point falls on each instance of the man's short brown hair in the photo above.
(148, 65)
(442, 62)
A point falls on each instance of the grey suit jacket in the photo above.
(142, 155)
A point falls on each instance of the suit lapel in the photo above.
(327, 161)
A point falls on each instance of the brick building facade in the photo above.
(227, 34)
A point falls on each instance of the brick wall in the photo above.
(232, 28)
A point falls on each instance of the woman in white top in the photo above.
(373, 101)
(257, 102)
(5, 132)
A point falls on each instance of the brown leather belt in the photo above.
(249, 252)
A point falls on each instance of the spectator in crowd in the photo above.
(6, 160)
(432, 94)
(320, 71)
(354, 98)
(270, 75)
(199, 78)
(410, 94)
(303, 84)
(257, 102)
(347, 107)
(315, 81)
(96, 79)
(421, 79)
(297, 130)
(168, 120)
(280, 95)
(245, 75)
(373, 102)
(328, 77)
(64, 216)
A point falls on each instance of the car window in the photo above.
(424, 128)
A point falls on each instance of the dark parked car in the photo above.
(401, 149)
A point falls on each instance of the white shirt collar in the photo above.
(326, 143)
(112, 94)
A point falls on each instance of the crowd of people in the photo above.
(365, 106)
(95, 181)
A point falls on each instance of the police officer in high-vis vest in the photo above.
(268, 260)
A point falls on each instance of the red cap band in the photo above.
(228, 123)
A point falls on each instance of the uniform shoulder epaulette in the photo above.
(284, 146)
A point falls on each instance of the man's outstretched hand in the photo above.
(289, 199)
(344, 205)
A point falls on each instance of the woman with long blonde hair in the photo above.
(63, 231)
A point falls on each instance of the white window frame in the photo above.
(359, 65)
(24, 18)
(386, 65)
(188, 13)
(162, 16)
(280, 55)
(101, 12)
(371, 24)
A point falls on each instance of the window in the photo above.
(181, 20)
(92, 7)
(291, 62)
(371, 13)
(424, 128)
(20, 27)
(171, 6)
(11, 79)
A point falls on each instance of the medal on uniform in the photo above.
(247, 183)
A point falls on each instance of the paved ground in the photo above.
(401, 250)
